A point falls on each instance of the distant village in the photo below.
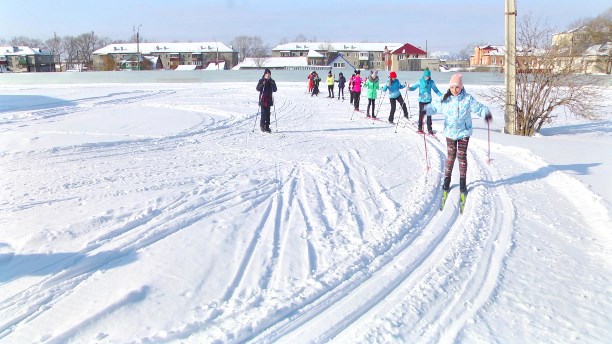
(595, 59)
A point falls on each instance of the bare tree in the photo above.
(596, 30)
(328, 47)
(108, 63)
(55, 47)
(86, 45)
(242, 44)
(250, 46)
(466, 52)
(547, 80)
(259, 48)
(300, 38)
(70, 48)
(26, 41)
(260, 61)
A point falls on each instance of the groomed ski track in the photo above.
(329, 232)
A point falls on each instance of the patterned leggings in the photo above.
(454, 147)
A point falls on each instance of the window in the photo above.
(339, 65)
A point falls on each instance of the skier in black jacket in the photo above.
(266, 86)
(341, 81)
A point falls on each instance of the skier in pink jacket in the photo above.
(357, 89)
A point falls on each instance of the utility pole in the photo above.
(510, 67)
(138, 47)
(217, 44)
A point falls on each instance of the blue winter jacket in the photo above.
(457, 111)
(425, 87)
(394, 89)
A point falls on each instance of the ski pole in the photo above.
(402, 105)
(256, 117)
(426, 157)
(397, 124)
(489, 142)
(380, 102)
(275, 120)
(408, 103)
(258, 110)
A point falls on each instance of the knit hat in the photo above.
(427, 73)
(267, 71)
(392, 75)
(456, 80)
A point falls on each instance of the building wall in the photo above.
(359, 59)
(29, 63)
(170, 60)
(410, 62)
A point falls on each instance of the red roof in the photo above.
(408, 49)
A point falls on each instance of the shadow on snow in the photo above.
(68, 264)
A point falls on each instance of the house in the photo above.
(488, 57)
(575, 38)
(171, 55)
(359, 55)
(578, 47)
(410, 58)
(313, 61)
(597, 59)
(298, 62)
(25, 59)
(152, 62)
(340, 63)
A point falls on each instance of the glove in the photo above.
(488, 117)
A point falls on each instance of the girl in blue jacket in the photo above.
(457, 106)
(395, 95)
(425, 86)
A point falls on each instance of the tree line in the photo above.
(79, 49)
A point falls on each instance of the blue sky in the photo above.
(443, 25)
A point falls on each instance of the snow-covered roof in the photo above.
(336, 46)
(408, 49)
(494, 50)
(185, 67)
(274, 62)
(577, 29)
(148, 48)
(314, 53)
(22, 51)
(213, 66)
(599, 49)
(341, 57)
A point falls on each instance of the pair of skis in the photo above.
(462, 199)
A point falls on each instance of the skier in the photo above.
(266, 86)
(371, 85)
(341, 81)
(357, 89)
(425, 85)
(395, 95)
(457, 106)
(310, 83)
(330, 85)
(315, 84)
(350, 87)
